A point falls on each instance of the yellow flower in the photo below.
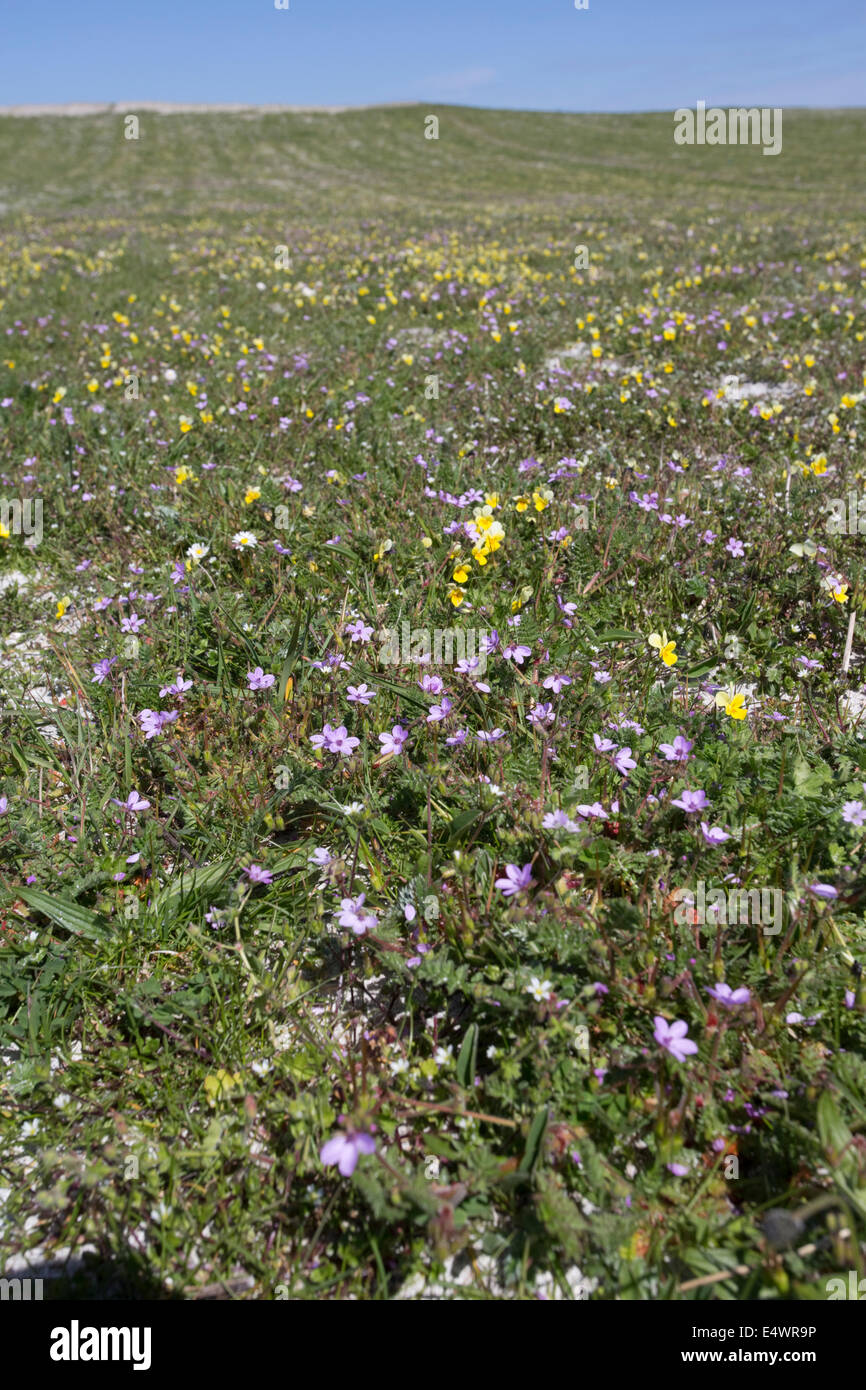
(456, 596)
(185, 424)
(837, 588)
(479, 554)
(58, 395)
(92, 385)
(665, 649)
(492, 499)
(220, 1083)
(182, 474)
(460, 575)
(521, 503)
(541, 501)
(733, 703)
(252, 495)
(819, 465)
(62, 606)
(5, 533)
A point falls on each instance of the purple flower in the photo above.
(555, 683)
(853, 812)
(4, 805)
(258, 680)
(730, 998)
(345, 1149)
(359, 631)
(101, 669)
(692, 801)
(133, 803)
(432, 685)
(256, 874)
(440, 711)
(713, 835)
(179, 687)
(360, 694)
(392, 743)
(735, 547)
(540, 714)
(320, 857)
(624, 762)
(824, 890)
(335, 741)
(492, 736)
(132, 624)
(154, 721)
(516, 652)
(679, 1170)
(672, 1037)
(678, 751)
(603, 745)
(352, 916)
(516, 880)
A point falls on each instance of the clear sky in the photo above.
(618, 55)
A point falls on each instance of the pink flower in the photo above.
(729, 998)
(393, 743)
(672, 1037)
(515, 880)
(352, 916)
(713, 834)
(133, 803)
(515, 652)
(335, 741)
(345, 1149)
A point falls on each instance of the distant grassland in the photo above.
(331, 167)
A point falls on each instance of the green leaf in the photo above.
(460, 824)
(533, 1142)
(617, 634)
(468, 1056)
(703, 668)
(834, 1133)
(194, 881)
(81, 921)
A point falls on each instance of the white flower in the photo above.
(539, 989)
(197, 552)
(443, 1055)
(243, 540)
(355, 808)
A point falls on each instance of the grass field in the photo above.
(525, 970)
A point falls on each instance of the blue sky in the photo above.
(618, 55)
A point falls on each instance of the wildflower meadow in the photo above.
(433, 699)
